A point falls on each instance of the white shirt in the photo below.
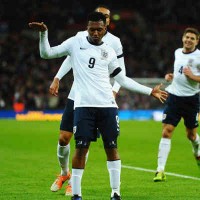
(109, 39)
(181, 85)
(92, 66)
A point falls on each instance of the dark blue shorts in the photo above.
(68, 116)
(182, 107)
(88, 119)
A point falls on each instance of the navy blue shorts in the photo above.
(68, 116)
(182, 107)
(89, 121)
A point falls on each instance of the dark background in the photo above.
(149, 30)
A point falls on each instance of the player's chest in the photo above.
(187, 61)
(92, 57)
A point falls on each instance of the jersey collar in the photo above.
(189, 52)
(93, 43)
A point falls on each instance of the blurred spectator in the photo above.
(2, 102)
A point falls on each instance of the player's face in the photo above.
(106, 13)
(96, 31)
(190, 41)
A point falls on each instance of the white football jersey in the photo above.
(92, 66)
(109, 39)
(181, 85)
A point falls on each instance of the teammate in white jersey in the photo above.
(93, 63)
(183, 99)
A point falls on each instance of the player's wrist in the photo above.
(56, 79)
(152, 91)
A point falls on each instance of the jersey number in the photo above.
(180, 70)
(91, 62)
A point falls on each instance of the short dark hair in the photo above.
(96, 16)
(192, 30)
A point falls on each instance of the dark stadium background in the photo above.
(149, 30)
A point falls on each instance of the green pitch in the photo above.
(28, 163)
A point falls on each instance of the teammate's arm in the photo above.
(53, 89)
(64, 68)
(187, 71)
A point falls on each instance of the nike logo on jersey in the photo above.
(83, 48)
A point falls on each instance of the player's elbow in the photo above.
(44, 55)
(120, 79)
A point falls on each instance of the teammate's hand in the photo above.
(169, 77)
(114, 94)
(187, 71)
(38, 26)
(53, 89)
(159, 94)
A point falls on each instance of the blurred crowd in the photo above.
(149, 32)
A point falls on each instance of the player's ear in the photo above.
(197, 42)
(183, 38)
(108, 21)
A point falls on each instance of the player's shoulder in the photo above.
(109, 49)
(112, 40)
(81, 34)
(113, 37)
(179, 50)
(197, 52)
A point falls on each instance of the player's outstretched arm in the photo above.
(46, 51)
(159, 94)
(38, 26)
(53, 89)
(134, 86)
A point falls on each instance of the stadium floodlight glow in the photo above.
(116, 17)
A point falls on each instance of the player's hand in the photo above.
(169, 77)
(187, 71)
(159, 94)
(53, 89)
(38, 26)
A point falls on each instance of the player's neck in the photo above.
(186, 50)
(94, 43)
